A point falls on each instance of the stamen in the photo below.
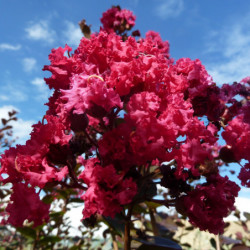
(144, 54)
(96, 76)
(16, 165)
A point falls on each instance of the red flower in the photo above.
(107, 190)
(207, 204)
(26, 205)
(88, 93)
(117, 20)
(237, 136)
(244, 175)
(35, 161)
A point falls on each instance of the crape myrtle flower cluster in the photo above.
(120, 107)
(115, 19)
(119, 21)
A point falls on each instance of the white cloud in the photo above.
(72, 34)
(4, 98)
(13, 90)
(169, 8)
(17, 95)
(6, 46)
(5, 109)
(230, 47)
(29, 64)
(243, 205)
(245, 193)
(41, 31)
(21, 128)
(74, 213)
(42, 88)
(39, 82)
(134, 3)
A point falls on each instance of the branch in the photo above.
(217, 239)
(90, 139)
(73, 185)
(127, 236)
(164, 202)
(73, 177)
(153, 222)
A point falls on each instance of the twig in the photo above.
(73, 185)
(97, 131)
(217, 239)
(164, 202)
(240, 164)
(73, 177)
(153, 222)
(127, 236)
(90, 139)
(115, 245)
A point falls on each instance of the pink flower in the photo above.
(61, 68)
(88, 94)
(26, 204)
(162, 46)
(125, 105)
(191, 155)
(246, 80)
(107, 190)
(237, 135)
(244, 175)
(207, 204)
(117, 20)
(35, 161)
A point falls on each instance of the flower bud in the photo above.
(79, 122)
(227, 154)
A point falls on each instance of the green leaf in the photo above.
(146, 190)
(152, 205)
(48, 199)
(49, 239)
(138, 209)
(186, 245)
(56, 214)
(213, 242)
(247, 215)
(164, 231)
(3, 228)
(237, 213)
(116, 223)
(74, 248)
(166, 220)
(65, 194)
(179, 224)
(157, 243)
(28, 232)
(78, 200)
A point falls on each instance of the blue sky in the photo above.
(216, 32)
